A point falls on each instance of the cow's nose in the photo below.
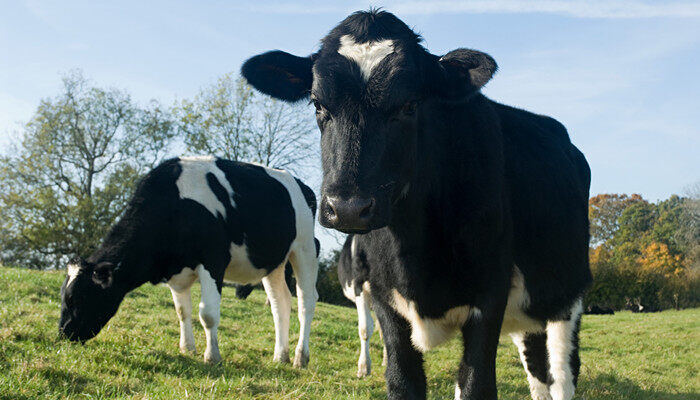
(353, 214)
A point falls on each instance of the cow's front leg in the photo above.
(405, 377)
(365, 327)
(281, 306)
(305, 266)
(477, 371)
(209, 313)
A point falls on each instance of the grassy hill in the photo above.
(625, 356)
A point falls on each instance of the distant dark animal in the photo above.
(473, 214)
(636, 306)
(598, 310)
(206, 219)
(353, 275)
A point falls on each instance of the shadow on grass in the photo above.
(59, 378)
(603, 385)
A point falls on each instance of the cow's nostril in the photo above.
(367, 211)
(330, 201)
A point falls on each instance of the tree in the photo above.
(230, 120)
(73, 171)
(604, 211)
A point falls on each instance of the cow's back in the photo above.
(205, 210)
(548, 179)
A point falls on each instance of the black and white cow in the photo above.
(473, 214)
(206, 219)
(353, 275)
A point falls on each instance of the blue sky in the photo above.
(621, 75)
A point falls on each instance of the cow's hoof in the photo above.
(301, 359)
(212, 358)
(363, 371)
(188, 350)
(282, 358)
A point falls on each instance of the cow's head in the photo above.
(90, 296)
(372, 84)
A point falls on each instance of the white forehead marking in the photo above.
(367, 55)
(73, 271)
(192, 183)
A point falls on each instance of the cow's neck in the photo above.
(129, 251)
(453, 212)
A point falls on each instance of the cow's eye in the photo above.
(409, 108)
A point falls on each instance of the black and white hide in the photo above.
(473, 214)
(209, 220)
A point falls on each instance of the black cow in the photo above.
(598, 310)
(473, 214)
(208, 219)
(353, 275)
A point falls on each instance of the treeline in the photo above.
(76, 161)
(645, 253)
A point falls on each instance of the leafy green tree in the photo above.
(73, 171)
(604, 211)
(230, 120)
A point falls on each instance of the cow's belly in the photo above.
(427, 333)
(240, 269)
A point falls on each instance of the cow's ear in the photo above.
(466, 71)
(281, 75)
(103, 274)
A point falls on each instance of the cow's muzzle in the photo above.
(349, 215)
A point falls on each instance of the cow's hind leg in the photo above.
(180, 288)
(209, 313)
(533, 353)
(365, 325)
(562, 346)
(183, 307)
(305, 266)
(281, 307)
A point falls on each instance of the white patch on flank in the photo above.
(515, 319)
(458, 392)
(427, 333)
(73, 271)
(366, 55)
(240, 269)
(538, 389)
(559, 347)
(192, 183)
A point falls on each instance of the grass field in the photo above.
(625, 356)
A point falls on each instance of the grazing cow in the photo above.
(598, 310)
(473, 214)
(353, 275)
(206, 219)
